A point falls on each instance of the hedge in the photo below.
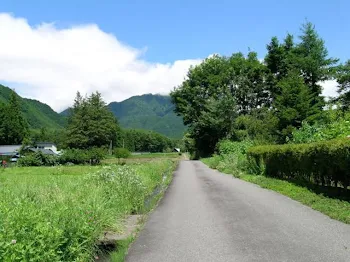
(326, 163)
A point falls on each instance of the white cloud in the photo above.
(329, 88)
(51, 64)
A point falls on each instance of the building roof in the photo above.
(9, 149)
(45, 144)
(44, 151)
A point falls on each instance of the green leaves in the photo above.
(325, 163)
(91, 124)
(13, 126)
(216, 93)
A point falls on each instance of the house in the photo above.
(9, 150)
(46, 146)
(12, 151)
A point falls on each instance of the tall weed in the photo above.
(56, 215)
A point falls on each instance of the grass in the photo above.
(156, 155)
(58, 213)
(142, 158)
(332, 202)
(123, 246)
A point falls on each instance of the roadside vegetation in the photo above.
(267, 122)
(287, 169)
(56, 207)
(58, 213)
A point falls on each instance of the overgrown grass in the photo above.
(141, 158)
(58, 213)
(156, 155)
(334, 202)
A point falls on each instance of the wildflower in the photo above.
(14, 241)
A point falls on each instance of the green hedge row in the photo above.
(326, 163)
(70, 156)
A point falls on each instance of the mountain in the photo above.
(36, 113)
(150, 112)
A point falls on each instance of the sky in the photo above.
(49, 50)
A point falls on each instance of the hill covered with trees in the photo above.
(37, 114)
(149, 112)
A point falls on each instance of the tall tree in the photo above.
(343, 79)
(199, 101)
(293, 105)
(14, 128)
(248, 82)
(313, 60)
(91, 124)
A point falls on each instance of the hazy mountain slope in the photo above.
(151, 112)
(37, 114)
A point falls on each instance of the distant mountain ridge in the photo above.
(35, 112)
(150, 112)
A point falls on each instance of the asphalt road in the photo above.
(208, 216)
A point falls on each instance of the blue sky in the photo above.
(173, 30)
(156, 41)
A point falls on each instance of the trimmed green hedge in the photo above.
(326, 163)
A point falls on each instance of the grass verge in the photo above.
(332, 202)
(150, 204)
(58, 213)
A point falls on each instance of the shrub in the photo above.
(75, 156)
(213, 161)
(122, 153)
(38, 159)
(80, 156)
(326, 163)
(226, 147)
(340, 128)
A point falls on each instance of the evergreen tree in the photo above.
(343, 79)
(14, 128)
(293, 105)
(313, 61)
(91, 124)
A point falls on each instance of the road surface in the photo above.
(209, 216)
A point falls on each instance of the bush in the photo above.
(213, 161)
(326, 163)
(122, 153)
(226, 147)
(80, 156)
(38, 159)
(340, 128)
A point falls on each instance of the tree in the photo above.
(248, 82)
(293, 105)
(205, 102)
(14, 128)
(343, 79)
(91, 124)
(309, 59)
(313, 61)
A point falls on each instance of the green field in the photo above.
(58, 213)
